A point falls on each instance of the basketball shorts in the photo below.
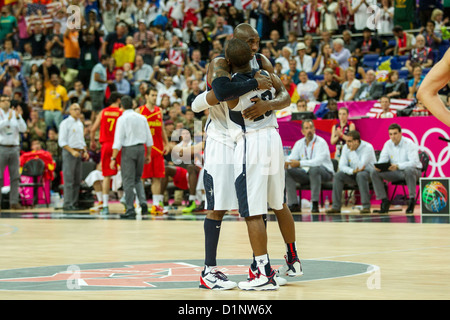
(156, 168)
(218, 176)
(180, 179)
(105, 156)
(259, 172)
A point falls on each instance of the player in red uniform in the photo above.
(106, 121)
(155, 169)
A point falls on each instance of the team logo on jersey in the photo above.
(151, 275)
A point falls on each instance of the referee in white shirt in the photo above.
(11, 125)
(71, 140)
(403, 155)
(309, 162)
(132, 132)
(355, 165)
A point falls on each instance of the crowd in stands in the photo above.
(322, 50)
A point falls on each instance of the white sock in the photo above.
(99, 196)
(105, 200)
(261, 262)
(192, 197)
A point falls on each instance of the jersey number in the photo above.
(111, 123)
(266, 95)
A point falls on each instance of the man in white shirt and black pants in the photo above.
(355, 165)
(309, 162)
(11, 125)
(403, 155)
(132, 132)
(71, 140)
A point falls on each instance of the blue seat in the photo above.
(370, 60)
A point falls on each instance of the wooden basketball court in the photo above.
(387, 257)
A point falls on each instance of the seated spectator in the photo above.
(306, 88)
(420, 55)
(36, 129)
(371, 89)
(340, 130)
(311, 48)
(350, 87)
(304, 61)
(415, 82)
(385, 104)
(293, 71)
(437, 16)
(284, 58)
(332, 110)
(395, 88)
(122, 84)
(355, 63)
(8, 53)
(141, 73)
(368, 44)
(404, 42)
(275, 45)
(338, 72)
(340, 53)
(78, 95)
(322, 59)
(432, 38)
(301, 106)
(291, 88)
(164, 88)
(349, 43)
(328, 88)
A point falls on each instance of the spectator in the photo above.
(55, 45)
(71, 48)
(340, 53)
(36, 128)
(191, 97)
(420, 55)
(354, 62)
(290, 87)
(304, 61)
(350, 87)
(55, 100)
(311, 48)
(274, 44)
(16, 80)
(36, 95)
(306, 89)
(142, 72)
(415, 82)
(359, 10)
(98, 84)
(329, 12)
(122, 84)
(221, 30)
(432, 38)
(322, 59)
(145, 42)
(371, 89)
(292, 41)
(385, 17)
(328, 88)
(78, 95)
(293, 72)
(117, 37)
(8, 53)
(332, 110)
(89, 42)
(313, 17)
(38, 33)
(22, 26)
(385, 104)
(349, 43)
(51, 67)
(395, 88)
(368, 44)
(340, 130)
(8, 23)
(438, 17)
(164, 88)
(404, 42)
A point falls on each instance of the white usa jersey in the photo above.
(216, 126)
(238, 125)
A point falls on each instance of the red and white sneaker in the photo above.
(260, 282)
(291, 269)
(252, 274)
(215, 280)
(158, 210)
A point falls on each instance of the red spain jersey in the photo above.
(155, 123)
(108, 123)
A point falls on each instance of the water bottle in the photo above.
(327, 203)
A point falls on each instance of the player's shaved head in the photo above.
(243, 31)
(238, 52)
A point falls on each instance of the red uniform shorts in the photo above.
(106, 154)
(156, 168)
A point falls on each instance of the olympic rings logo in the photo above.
(438, 163)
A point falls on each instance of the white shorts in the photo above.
(218, 176)
(259, 172)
